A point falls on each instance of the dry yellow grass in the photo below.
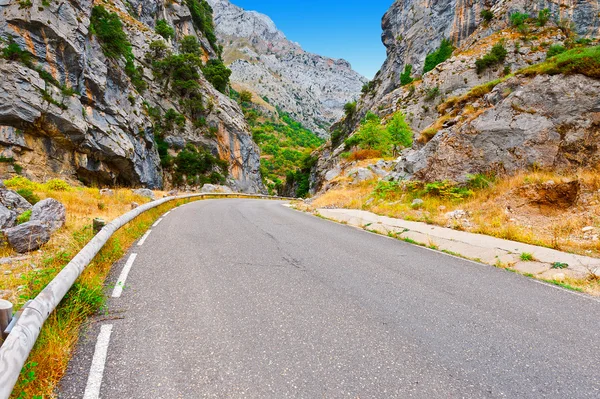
(494, 211)
(48, 360)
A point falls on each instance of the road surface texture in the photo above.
(250, 299)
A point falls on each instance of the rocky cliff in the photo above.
(519, 110)
(312, 88)
(69, 109)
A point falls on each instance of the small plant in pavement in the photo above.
(526, 257)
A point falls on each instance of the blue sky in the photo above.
(349, 29)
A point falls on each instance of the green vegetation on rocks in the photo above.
(440, 55)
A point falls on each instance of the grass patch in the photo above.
(526, 257)
(584, 61)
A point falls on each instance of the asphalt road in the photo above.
(250, 299)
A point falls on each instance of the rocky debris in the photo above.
(333, 173)
(554, 195)
(360, 175)
(457, 214)
(50, 213)
(107, 192)
(312, 88)
(134, 205)
(173, 193)
(144, 192)
(28, 236)
(215, 188)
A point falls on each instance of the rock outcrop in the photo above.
(312, 88)
(468, 121)
(71, 112)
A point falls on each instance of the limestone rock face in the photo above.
(100, 131)
(552, 122)
(312, 88)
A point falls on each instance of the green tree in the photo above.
(245, 96)
(189, 45)
(164, 29)
(440, 55)
(405, 77)
(217, 74)
(401, 135)
(350, 108)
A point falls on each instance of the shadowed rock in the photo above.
(50, 213)
(27, 236)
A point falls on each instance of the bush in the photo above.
(432, 93)
(13, 52)
(350, 108)
(189, 45)
(245, 96)
(518, 19)
(28, 194)
(108, 28)
(401, 134)
(202, 16)
(555, 49)
(20, 182)
(405, 77)
(487, 15)
(57, 185)
(497, 55)
(479, 181)
(543, 17)
(361, 155)
(24, 217)
(217, 74)
(164, 29)
(440, 55)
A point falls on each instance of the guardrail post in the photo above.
(6, 309)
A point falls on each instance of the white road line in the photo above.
(166, 213)
(92, 389)
(157, 222)
(118, 290)
(143, 240)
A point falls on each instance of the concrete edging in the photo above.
(17, 346)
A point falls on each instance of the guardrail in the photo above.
(25, 331)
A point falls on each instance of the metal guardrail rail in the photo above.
(24, 332)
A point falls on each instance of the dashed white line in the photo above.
(144, 237)
(118, 290)
(92, 388)
(157, 222)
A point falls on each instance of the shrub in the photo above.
(440, 55)
(24, 217)
(164, 29)
(217, 74)
(479, 181)
(497, 55)
(203, 20)
(487, 15)
(555, 49)
(28, 194)
(361, 155)
(518, 19)
(13, 52)
(405, 77)
(199, 165)
(350, 108)
(526, 257)
(189, 45)
(245, 96)
(401, 135)
(543, 17)
(20, 182)
(108, 28)
(57, 185)
(432, 93)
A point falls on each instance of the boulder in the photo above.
(107, 192)
(417, 203)
(215, 188)
(7, 217)
(28, 236)
(360, 174)
(50, 213)
(144, 192)
(13, 201)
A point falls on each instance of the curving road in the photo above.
(250, 299)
